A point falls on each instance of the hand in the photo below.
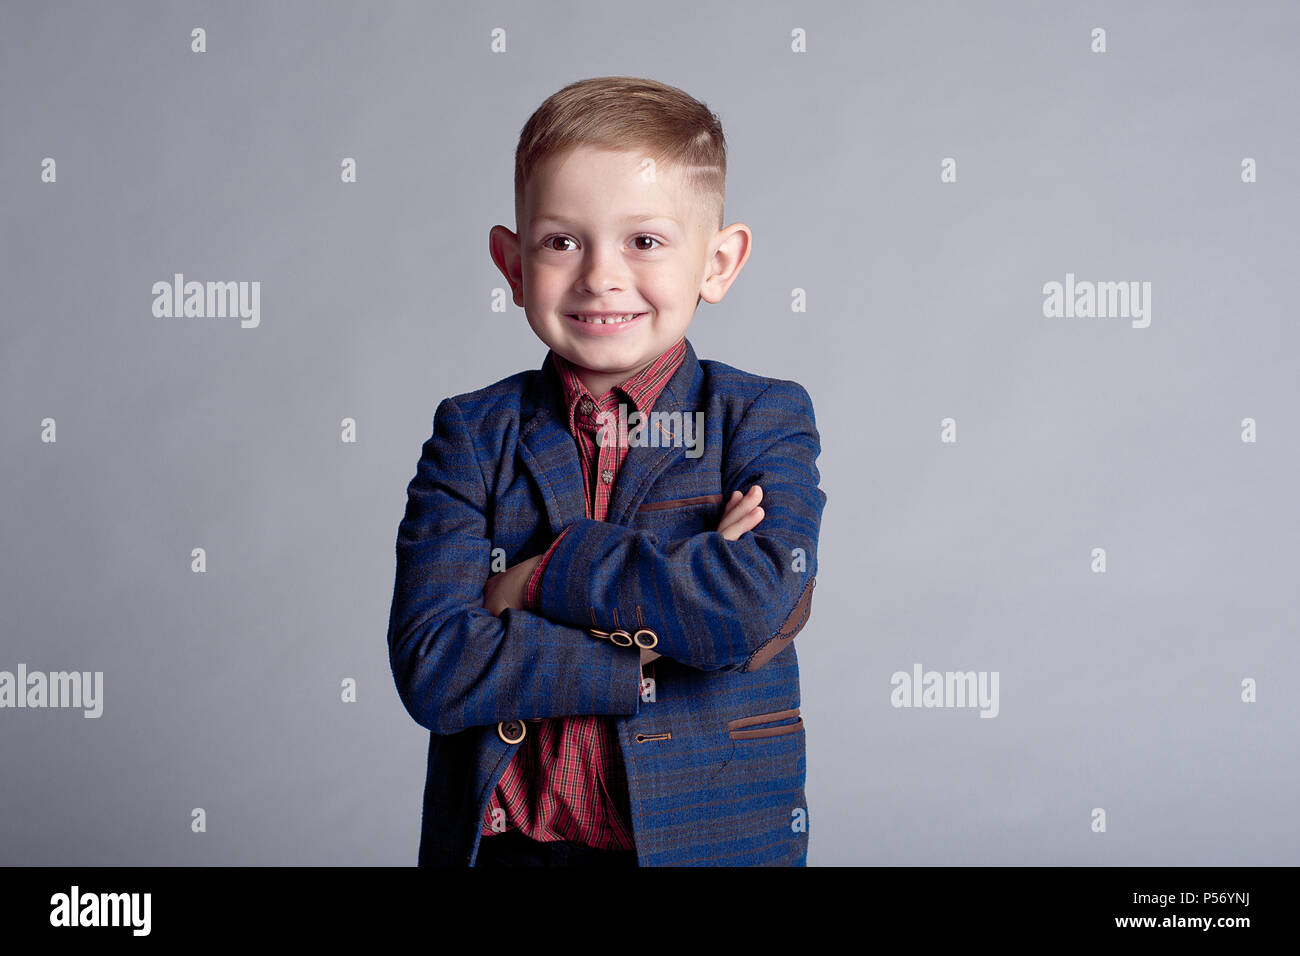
(742, 514)
(507, 588)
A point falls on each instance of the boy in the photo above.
(623, 690)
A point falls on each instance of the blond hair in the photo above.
(628, 112)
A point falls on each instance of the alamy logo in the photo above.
(656, 430)
(102, 909)
(946, 689)
(1093, 300)
(56, 689)
(212, 300)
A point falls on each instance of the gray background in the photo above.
(1119, 691)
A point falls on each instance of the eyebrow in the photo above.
(644, 217)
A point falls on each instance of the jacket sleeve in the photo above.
(714, 604)
(455, 664)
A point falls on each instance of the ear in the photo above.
(503, 245)
(732, 246)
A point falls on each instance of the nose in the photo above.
(601, 271)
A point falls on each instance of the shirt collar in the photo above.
(641, 390)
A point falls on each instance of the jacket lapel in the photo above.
(645, 463)
(548, 451)
(550, 454)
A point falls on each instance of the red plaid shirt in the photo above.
(566, 780)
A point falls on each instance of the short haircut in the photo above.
(624, 113)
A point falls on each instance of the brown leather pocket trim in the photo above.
(793, 624)
(734, 726)
(681, 503)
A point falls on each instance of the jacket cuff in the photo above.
(587, 674)
(533, 595)
(564, 595)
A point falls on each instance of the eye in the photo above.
(546, 243)
(644, 248)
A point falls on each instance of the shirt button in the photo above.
(587, 405)
(606, 476)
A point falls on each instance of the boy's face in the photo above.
(600, 236)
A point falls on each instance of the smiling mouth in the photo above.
(606, 319)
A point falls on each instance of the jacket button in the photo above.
(649, 641)
(620, 637)
(597, 632)
(511, 731)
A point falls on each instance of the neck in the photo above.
(598, 383)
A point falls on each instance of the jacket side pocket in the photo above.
(746, 728)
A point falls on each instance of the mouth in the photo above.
(605, 323)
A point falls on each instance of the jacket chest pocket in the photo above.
(679, 517)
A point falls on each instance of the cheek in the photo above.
(545, 284)
(673, 285)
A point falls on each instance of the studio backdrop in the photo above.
(1034, 263)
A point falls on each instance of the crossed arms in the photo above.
(715, 603)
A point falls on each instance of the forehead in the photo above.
(624, 186)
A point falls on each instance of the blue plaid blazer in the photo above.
(715, 749)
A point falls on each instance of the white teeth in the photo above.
(611, 320)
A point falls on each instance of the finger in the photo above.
(741, 506)
(742, 524)
(737, 518)
(732, 521)
(731, 503)
(735, 532)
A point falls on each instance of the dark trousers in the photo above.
(512, 848)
